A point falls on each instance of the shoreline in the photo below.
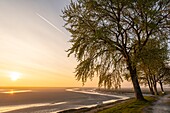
(93, 109)
(94, 106)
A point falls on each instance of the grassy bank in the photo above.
(130, 106)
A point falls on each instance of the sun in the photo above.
(15, 76)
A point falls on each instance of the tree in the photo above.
(107, 34)
(164, 76)
(154, 55)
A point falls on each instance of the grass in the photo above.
(130, 106)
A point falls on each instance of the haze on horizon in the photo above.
(33, 42)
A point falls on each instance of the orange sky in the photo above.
(33, 43)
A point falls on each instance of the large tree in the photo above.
(107, 34)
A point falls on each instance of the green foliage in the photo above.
(164, 74)
(130, 106)
(112, 80)
(109, 35)
(153, 57)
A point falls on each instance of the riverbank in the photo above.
(93, 109)
(124, 95)
(125, 106)
(154, 104)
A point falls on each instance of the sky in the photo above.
(33, 44)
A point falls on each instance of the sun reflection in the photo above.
(16, 91)
(11, 92)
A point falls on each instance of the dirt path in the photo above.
(160, 106)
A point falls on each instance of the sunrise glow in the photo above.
(15, 76)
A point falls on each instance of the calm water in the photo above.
(49, 100)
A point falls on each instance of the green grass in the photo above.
(130, 106)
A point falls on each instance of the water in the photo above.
(49, 100)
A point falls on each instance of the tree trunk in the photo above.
(154, 84)
(137, 89)
(151, 90)
(155, 88)
(150, 87)
(161, 85)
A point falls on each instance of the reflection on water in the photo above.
(16, 91)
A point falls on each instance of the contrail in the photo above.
(50, 23)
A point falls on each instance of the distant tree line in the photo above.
(113, 39)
